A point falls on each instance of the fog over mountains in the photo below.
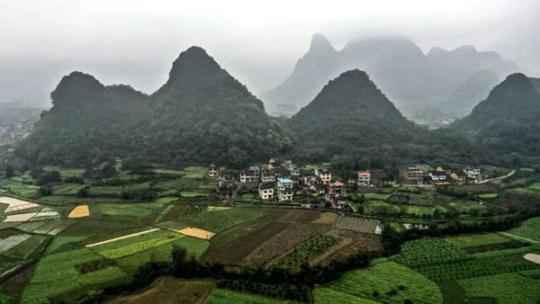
(452, 80)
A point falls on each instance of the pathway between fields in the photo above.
(519, 238)
(122, 237)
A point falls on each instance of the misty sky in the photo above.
(135, 42)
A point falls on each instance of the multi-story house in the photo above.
(285, 187)
(251, 175)
(266, 191)
(212, 171)
(364, 178)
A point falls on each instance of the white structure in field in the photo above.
(364, 178)
(473, 175)
(285, 189)
(266, 191)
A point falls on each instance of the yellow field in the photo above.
(79, 211)
(197, 233)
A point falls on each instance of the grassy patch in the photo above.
(387, 282)
(505, 288)
(529, 229)
(481, 239)
(219, 221)
(57, 275)
(162, 253)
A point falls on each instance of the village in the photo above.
(284, 182)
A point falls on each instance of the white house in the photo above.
(364, 178)
(285, 189)
(266, 191)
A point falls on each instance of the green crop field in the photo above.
(19, 188)
(535, 187)
(325, 295)
(224, 296)
(307, 250)
(387, 282)
(473, 240)
(162, 253)
(429, 251)
(57, 275)
(28, 248)
(530, 229)
(134, 210)
(219, 221)
(511, 288)
(133, 245)
(67, 189)
(63, 243)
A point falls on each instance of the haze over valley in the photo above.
(281, 152)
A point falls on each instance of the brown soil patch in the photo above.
(284, 242)
(328, 218)
(359, 243)
(300, 216)
(233, 252)
(169, 290)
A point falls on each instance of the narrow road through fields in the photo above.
(519, 238)
(498, 178)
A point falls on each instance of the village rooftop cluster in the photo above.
(318, 187)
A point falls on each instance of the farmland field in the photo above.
(326, 295)
(129, 246)
(161, 253)
(387, 282)
(224, 296)
(505, 288)
(429, 251)
(474, 240)
(57, 275)
(307, 250)
(230, 253)
(169, 290)
(530, 229)
(284, 241)
(219, 221)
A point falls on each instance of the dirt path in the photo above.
(498, 178)
(122, 237)
(519, 238)
(532, 257)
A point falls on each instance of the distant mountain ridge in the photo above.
(411, 78)
(201, 114)
(508, 120)
(350, 114)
